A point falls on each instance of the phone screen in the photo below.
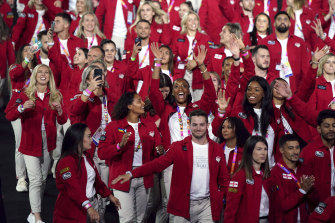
(98, 73)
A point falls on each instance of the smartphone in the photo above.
(36, 46)
(52, 26)
(138, 40)
(98, 73)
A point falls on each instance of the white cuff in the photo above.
(302, 191)
(131, 175)
(20, 108)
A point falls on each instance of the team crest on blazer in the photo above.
(66, 175)
(195, 106)
(319, 210)
(308, 21)
(232, 2)
(218, 159)
(91, 99)
(275, 9)
(319, 154)
(130, 1)
(242, 115)
(301, 160)
(121, 76)
(278, 121)
(174, 27)
(248, 181)
(297, 44)
(176, 8)
(18, 101)
(159, 30)
(271, 42)
(152, 133)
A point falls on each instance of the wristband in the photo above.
(87, 93)
(236, 59)
(118, 147)
(221, 113)
(20, 108)
(323, 37)
(244, 54)
(87, 206)
(131, 175)
(132, 58)
(289, 98)
(203, 71)
(313, 62)
(26, 60)
(158, 65)
(51, 44)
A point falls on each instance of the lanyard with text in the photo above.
(180, 119)
(34, 38)
(170, 6)
(289, 173)
(233, 161)
(267, 8)
(145, 56)
(193, 46)
(104, 101)
(67, 54)
(89, 47)
(124, 5)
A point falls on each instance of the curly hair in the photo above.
(121, 109)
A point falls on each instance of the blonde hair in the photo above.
(297, 4)
(158, 13)
(184, 21)
(31, 4)
(55, 95)
(86, 75)
(97, 31)
(322, 62)
(88, 6)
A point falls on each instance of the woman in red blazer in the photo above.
(247, 198)
(89, 30)
(130, 142)
(78, 180)
(82, 6)
(38, 107)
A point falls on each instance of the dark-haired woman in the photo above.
(248, 193)
(78, 180)
(129, 143)
(262, 29)
(167, 61)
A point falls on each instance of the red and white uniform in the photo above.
(31, 120)
(8, 56)
(324, 212)
(182, 160)
(18, 76)
(122, 160)
(6, 13)
(286, 198)
(71, 183)
(244, 197)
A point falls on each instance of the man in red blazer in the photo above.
(199, 178)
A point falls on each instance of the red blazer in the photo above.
(285, 196)
(71, 182)
(8, 56)
(106, 12)
(164, 110)
(306, 19)
(179, 201)
(31, 120)
(244, 197)
(72, 43)
(180, 50)
(216, 55)
(129, 51)
(272, 6)
(298, 56)
(174, 7)
(317, 162)
(212, 19)
(89, 112)
(6, 13)
(230, 159)
(122, 160)
(25, 26)
(18, 76)
(74, 24)
(322, 95)
(87, 44)
(325, 211)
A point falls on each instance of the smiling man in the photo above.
(199, 179)
(318, 158)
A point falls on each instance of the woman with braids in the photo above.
(130, 141)
(78, 179)
(248, 193)
(38, 107)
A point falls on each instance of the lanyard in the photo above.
(27, 83)
(289, 173)
(145, 56)
(267, 8)
(104, 101)
(170, 76)
(139, 146)
(124, 5)
(180, 119)
(89, 46)
(193, 46)
(310, 3)
(170, 6)
(67, 54)
(233, 161)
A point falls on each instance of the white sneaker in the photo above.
(21, 185)
(31, 218)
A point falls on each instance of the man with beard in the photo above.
(289, 186)
(199, 179)
(289, 54)
(317, 159)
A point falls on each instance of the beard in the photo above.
(44, 50)
(262, 67)
(282, 28)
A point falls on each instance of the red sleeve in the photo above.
(10, 52)
(208, 97)
(234, 196)
(233, 82)
(227, 9)
(16, 71)
(216, 125)
(165, 37)
(11, 110)
(330, 42)
(324, 212)
(156, 97)
(19, 26)
(78, 110)
(305, 111)
(62, 119)
(203, 12)
(307, 85)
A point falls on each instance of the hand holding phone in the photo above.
(98, 75)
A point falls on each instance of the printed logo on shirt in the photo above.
(218, 159)
(30, 15)
(233, 184)
(242, 115)
(121, 76)
(319, 210)
(22, 15)
(102, 138)
(321, 87)
(75, 97)
(319, 154)
(275, 9)
(218, 56)
(64, 170)
(297, 45)
(195, 106)
(308, 21)
(210, 43)
(159, 30)
(152, 133)
(18, 101)
(301, 160)
(248, 181)
(10, 15)
(181, 40)
(271, 42)
(232, 190)
(258, 4)
(287, 176)
(177, 28)
(66, 175)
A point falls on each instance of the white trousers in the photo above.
(119, 42)
(37, 168)
(200, 211)
(133, 203)
(20, 166)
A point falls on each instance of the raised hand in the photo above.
(307, 182)
(318, 28)
(95, 84)
(124, 139)
(123, 178)
(156, 51)
(222, 102)
(318, 54)
(202, 52)
(283, 89)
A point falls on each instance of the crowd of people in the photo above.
(172, 110)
